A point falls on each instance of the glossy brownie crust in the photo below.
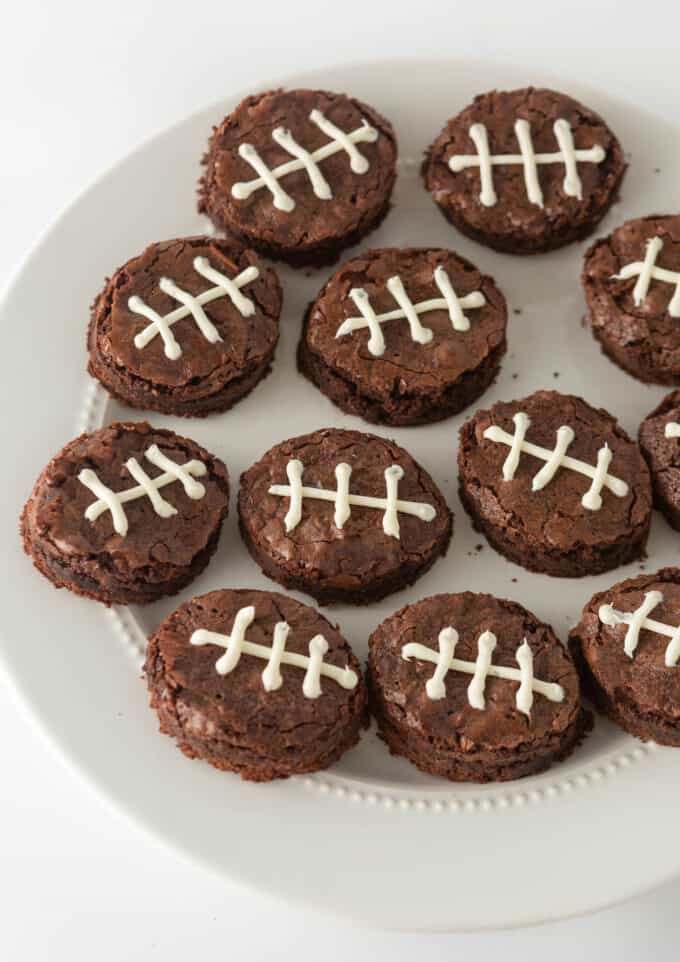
(230, 721)
(207, 378)
(158, 556)
(317, 230)
(549, 530)
(639, 694)
(448, 737)
(359, 563)
(514, 224)
(409, 383)
(663, 457)
(644, 340)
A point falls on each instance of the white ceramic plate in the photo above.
(371, 839)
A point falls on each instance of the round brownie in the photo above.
(555, 485)
(299, 174)
(404, 336)
(525, 171)
(631, 281)
(474, 688)
(660, 444)
(627, 649)
(255, 683)
(188, 327)
(126, 514)
(343, 516)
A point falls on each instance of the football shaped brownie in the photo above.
(631, 281)
(255, 683)
(188, 327)
(627, 648)
(555, 485)
(474, 688)
(660, 444)
(343, 516)
(299, 174)
(404, 336)
(126, 514)
(525, 170)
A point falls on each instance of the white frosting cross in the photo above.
(556, 459)
(671, 430)
(407, 310)
(146, 487)
(481, 669)
(638, 620)
(646, 271)
(313, 664)
(567, 155)
(224, 287)
(304, 160)
(391, 506)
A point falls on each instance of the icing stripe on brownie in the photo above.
(236, 644)
(481, 669)
(646, 271)
(407, 310)
(108, 500)
(391, 505)
(556, 459)
(304, 160)
(193, 306)
(567, 155)
(637, 620)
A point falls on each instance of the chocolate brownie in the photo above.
(378, 523)
(631, 281)
(525, 171)
(660, 444)
(188, 327)
(299, 174)
(459, 719)
(555, 485)
(126, 514)
(404, 336)
(627, 648)
(255, 683)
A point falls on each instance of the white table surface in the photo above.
(82, 83)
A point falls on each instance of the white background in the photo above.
(81, 84)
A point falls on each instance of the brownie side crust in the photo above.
(409, 410)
